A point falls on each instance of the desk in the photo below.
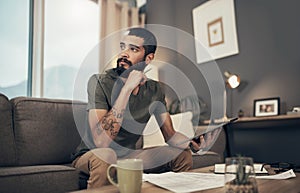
(264, 186)
(265, 139)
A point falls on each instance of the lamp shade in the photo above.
(232, 80)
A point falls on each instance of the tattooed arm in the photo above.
(104, 124)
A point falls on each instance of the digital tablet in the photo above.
(210, 128)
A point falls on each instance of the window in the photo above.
(71, 32)
(46, 63)
(14, 47)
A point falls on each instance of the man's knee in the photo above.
(183, 162)
(98, 163)
(105, 154)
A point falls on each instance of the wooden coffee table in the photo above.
(264, 186)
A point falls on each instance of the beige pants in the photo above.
(155, 160)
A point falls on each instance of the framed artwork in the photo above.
(266, 107)
(215, 30)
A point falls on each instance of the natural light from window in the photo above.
(71, 32)
(14, 35)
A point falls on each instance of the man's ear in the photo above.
(149, 58)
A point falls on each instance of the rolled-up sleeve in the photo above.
(96, 95)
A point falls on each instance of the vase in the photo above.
(240, 175)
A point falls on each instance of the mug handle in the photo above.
(110, 179)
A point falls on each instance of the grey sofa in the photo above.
(37, 138)
(36, 142)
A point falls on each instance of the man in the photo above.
(120, 103)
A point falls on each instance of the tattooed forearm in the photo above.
(98, 128)
(107, 123)
(111, 122)
(113, 132)
(118, 115)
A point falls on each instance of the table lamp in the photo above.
(232, 80)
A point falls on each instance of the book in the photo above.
(220, 169)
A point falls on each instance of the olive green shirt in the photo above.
(103, 90)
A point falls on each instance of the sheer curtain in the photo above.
(115, 15)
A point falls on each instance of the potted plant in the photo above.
(240, 176)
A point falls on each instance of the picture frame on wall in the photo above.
(215, 30)
(266, 107)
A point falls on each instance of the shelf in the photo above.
(266, 139)
(279, 117)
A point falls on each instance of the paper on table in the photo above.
(281, 176)
(220, 169)
(185, 181)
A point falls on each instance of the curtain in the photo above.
(114, 16)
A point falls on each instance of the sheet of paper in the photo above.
(281, 176)
(185, 181)
(220, 169)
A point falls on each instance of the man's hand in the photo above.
(136, 78)
(205, 141)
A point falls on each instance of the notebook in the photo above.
(220, 169)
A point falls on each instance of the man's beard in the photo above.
(123, 60)
(125, 72)
(120, 69)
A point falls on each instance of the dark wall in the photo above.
(269, 49)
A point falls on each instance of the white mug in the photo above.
(129, 175)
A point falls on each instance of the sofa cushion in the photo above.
(46, 178)
(7, 145)
(220, 144)
(45, 131)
